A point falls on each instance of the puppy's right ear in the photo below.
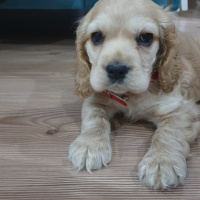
(167, 57)
(83, 88)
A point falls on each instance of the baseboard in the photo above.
(23, 22)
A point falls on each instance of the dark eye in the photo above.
(145, 39)
(97, 38)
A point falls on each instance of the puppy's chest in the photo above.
(151, 107)
(143, 107)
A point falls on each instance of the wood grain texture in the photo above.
(40, 117)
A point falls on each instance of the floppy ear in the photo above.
(167, 57)
(83, 66)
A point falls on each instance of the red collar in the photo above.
(154, 75)
(123, 99)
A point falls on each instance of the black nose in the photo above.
(117, 72)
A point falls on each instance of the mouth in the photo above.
(117, 89)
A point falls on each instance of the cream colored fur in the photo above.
(169, 102)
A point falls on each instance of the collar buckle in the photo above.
(122, 100)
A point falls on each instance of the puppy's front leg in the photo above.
(164, 165)
(92, 149)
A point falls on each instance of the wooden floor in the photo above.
(40, 117)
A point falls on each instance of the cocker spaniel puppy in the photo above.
(131, 59)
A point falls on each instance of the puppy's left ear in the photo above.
(167, 57)
(82, 69)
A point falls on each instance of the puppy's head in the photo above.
(120, 43)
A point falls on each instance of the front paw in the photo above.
(91, 152)
(162, 172)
